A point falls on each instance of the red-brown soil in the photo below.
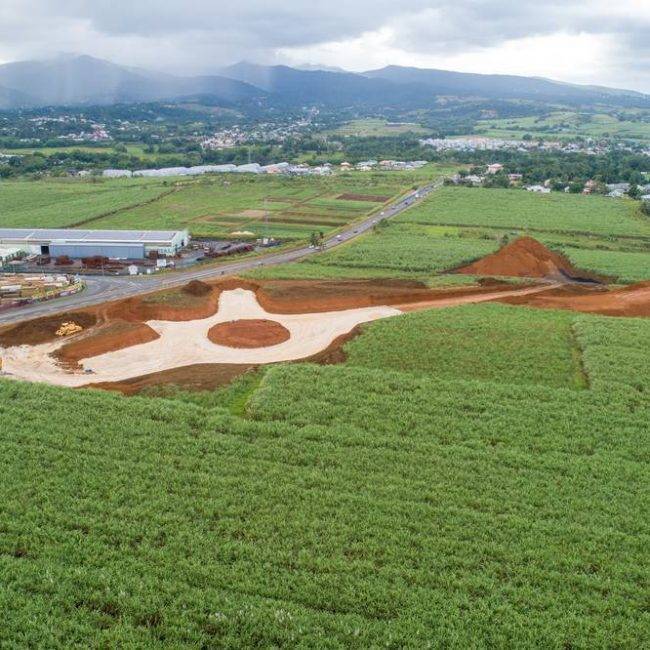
(526, 258)
(196, 288)
(308, 296)
(208, 376)
(200, 376)
(629, 301)
(108, 337)
(120, 324)
(249, 333)
(369, 198)
(171, 304)
(43, 330)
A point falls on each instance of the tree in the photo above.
(634, 192)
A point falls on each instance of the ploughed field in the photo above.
(454, 475)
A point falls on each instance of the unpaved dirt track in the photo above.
(484, 297)
(185, 343)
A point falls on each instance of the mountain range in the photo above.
(73, 80)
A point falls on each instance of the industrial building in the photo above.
(116, 244)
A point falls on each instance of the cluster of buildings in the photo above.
(476, 143)
(614, 190)
(476, 180)
(617, 190)
(97, 133)
(263, 132)
(275, 168)
(384, 165)
(481, 143)
(250, 168)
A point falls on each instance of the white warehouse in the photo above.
(117, 244)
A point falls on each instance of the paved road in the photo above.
(102, 289)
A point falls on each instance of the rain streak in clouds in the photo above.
(588, 41)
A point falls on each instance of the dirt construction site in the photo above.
(204, 334)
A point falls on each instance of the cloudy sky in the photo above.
(585, 41)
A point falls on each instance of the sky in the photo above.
(604, 42)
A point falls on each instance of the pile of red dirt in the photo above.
(109, 337)
(526, 258)
(249, 333)
(43, 330)
(196, 288)
(630, 301)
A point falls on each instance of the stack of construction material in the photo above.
(69, 328)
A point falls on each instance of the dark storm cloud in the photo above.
(199, 34)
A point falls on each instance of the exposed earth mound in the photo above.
(249, 333)
(526, 258)
(197, 288)
(190, 302)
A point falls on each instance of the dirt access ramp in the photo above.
(527, 258)
(632, 301)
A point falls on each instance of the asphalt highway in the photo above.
(102, 289)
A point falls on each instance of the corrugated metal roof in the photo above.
(47, 234)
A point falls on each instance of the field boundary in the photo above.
(112, 213)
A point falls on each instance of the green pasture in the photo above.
(375, 127)
(568, 125)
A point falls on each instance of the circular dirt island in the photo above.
(252, 333)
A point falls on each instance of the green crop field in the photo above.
(489, 342)
(527, 211)
(472, 477)
(615, 352)
(220, 205)
(447, 504)
(210, 206)
(624, 266)
(408, 249)
(132, 149)
(61, 203)
(597, 234)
